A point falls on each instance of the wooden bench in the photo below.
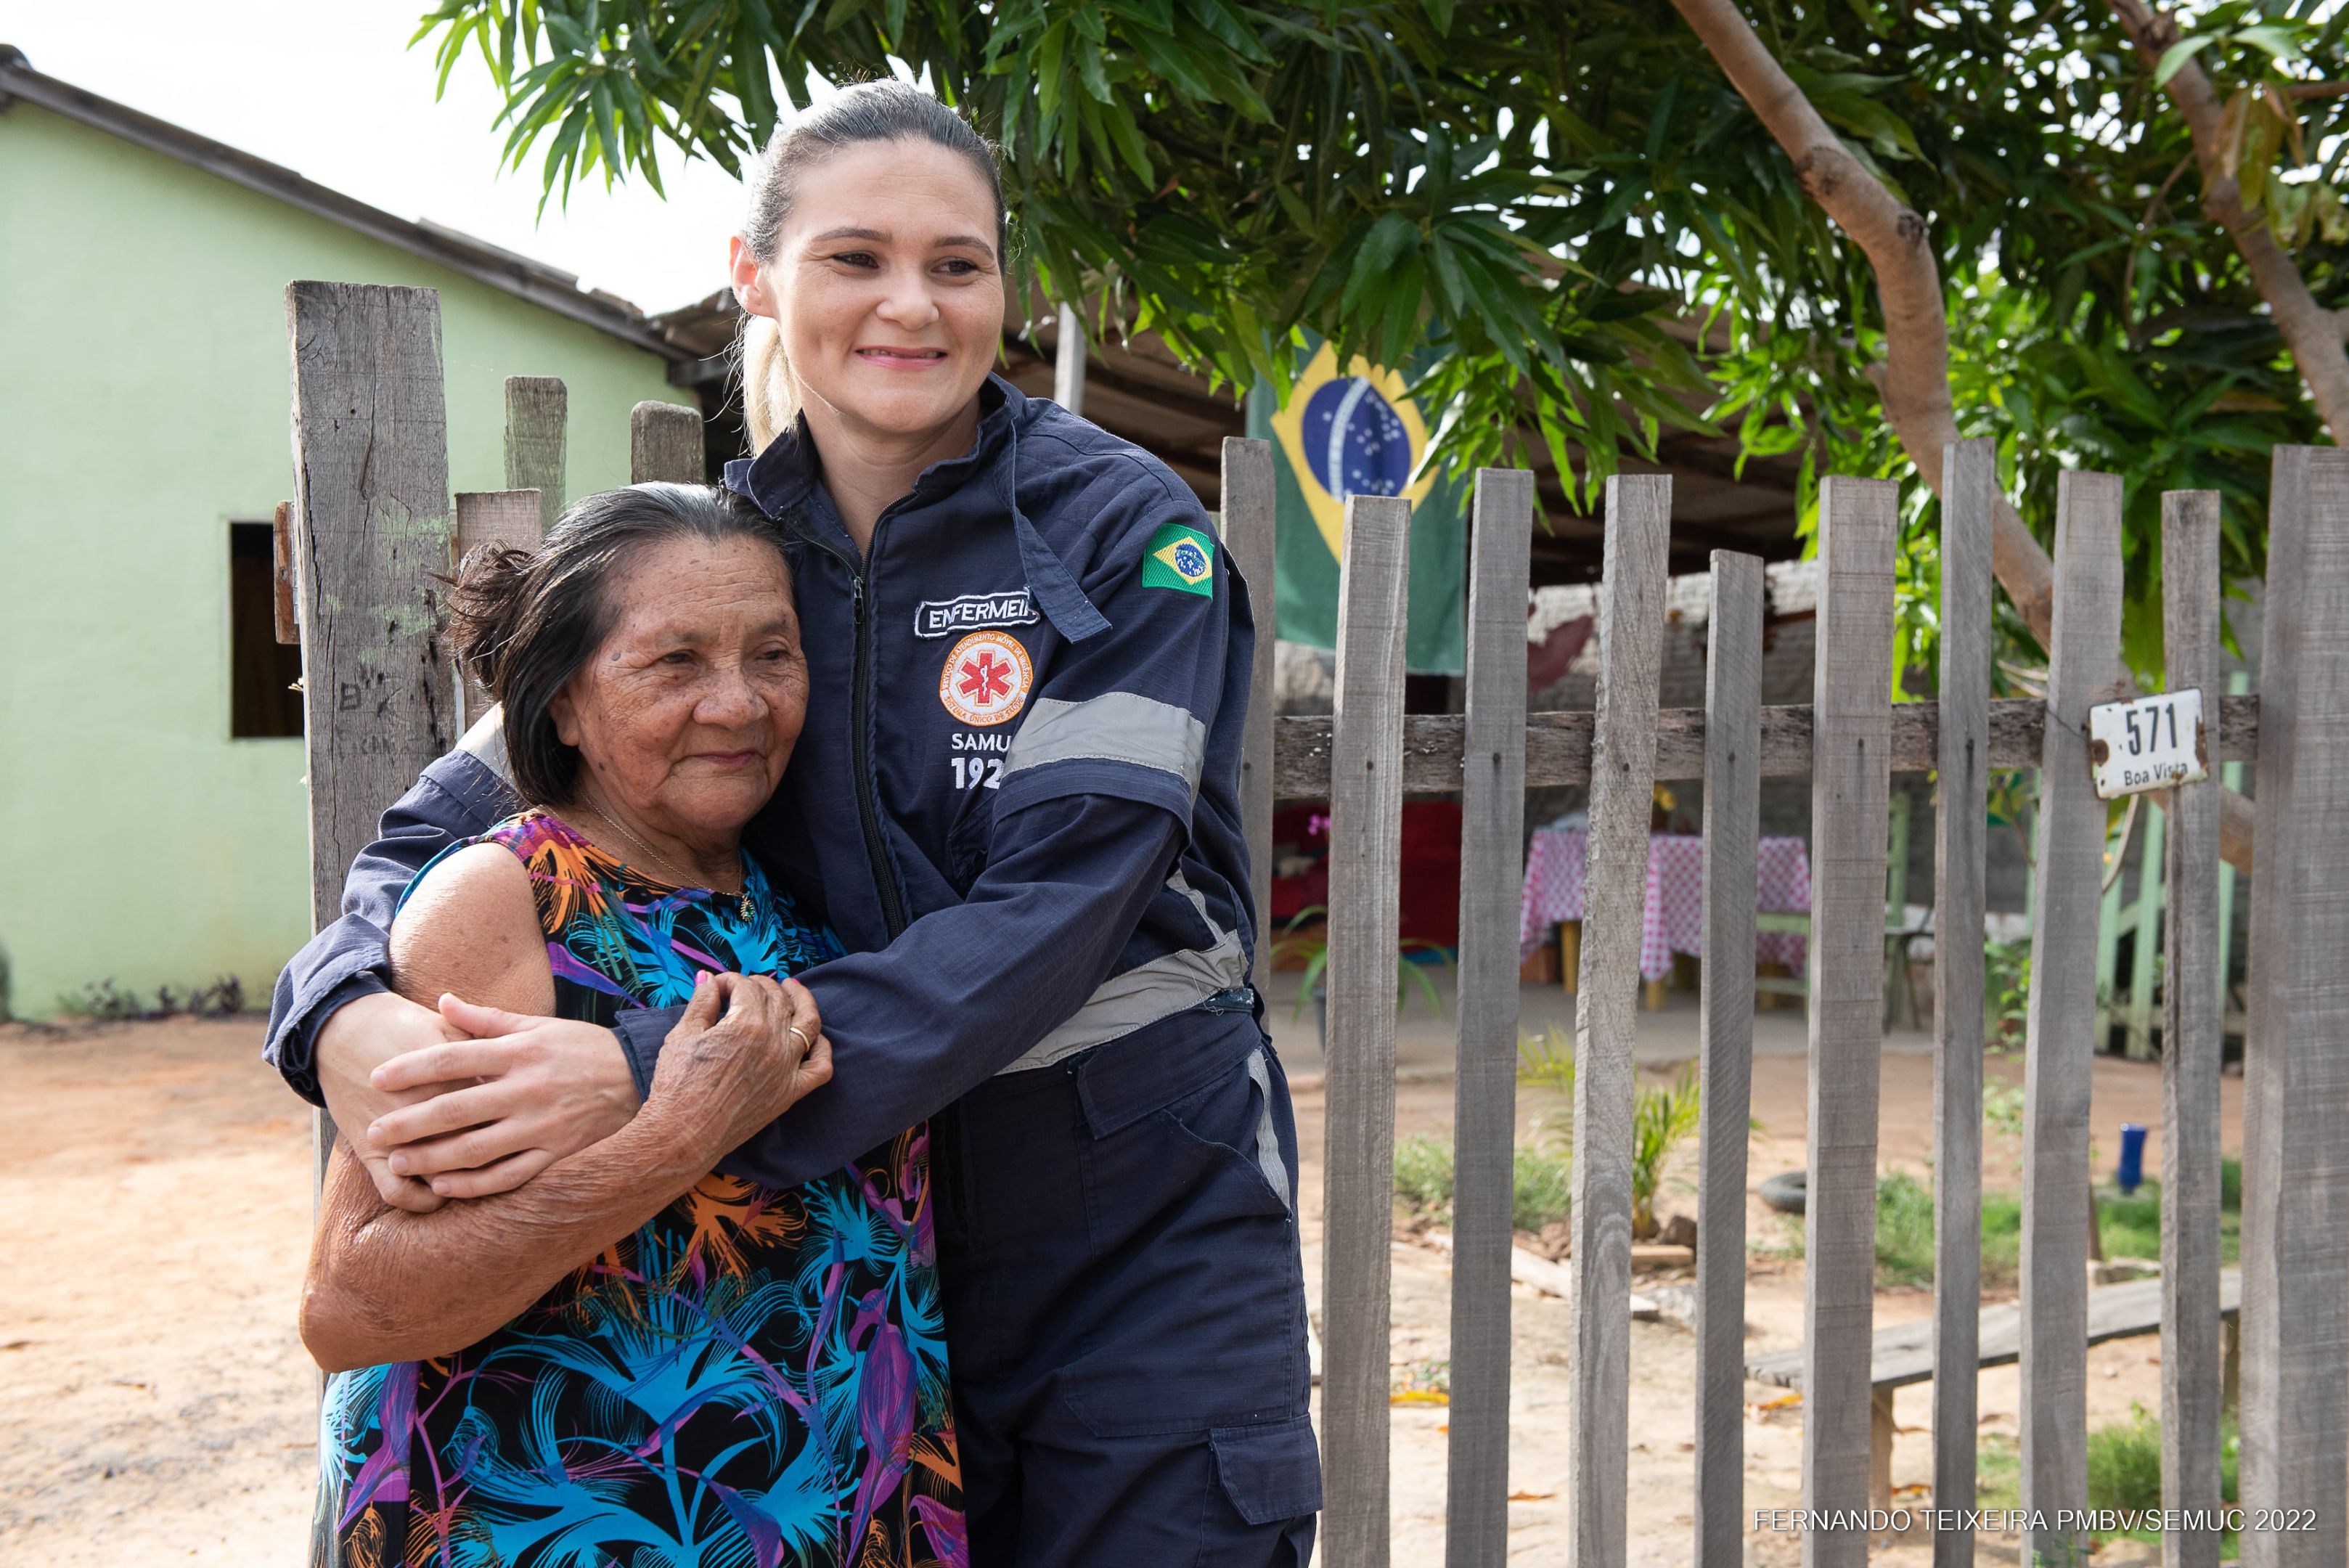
(1904, 1355)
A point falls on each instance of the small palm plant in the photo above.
(1660, 1120)
(1314, 948)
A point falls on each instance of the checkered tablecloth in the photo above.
(1674, 921)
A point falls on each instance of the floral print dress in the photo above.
(755, 1378)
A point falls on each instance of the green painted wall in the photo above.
(143, 399)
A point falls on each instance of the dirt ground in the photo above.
(155, 1406)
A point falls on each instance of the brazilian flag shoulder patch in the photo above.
(1180, 559)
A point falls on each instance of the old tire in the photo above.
(1785, 1192)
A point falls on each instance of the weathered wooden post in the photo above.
(1960, 864)
(537, 441)
(665, 443)
(1851, 784)
(1732, 826)
(1622, 790)
(371, 528)
(1485, 1101)
(1246, 521)
(2295, 1333)
(1365, 866)
(2192, 999)
(2066, 900)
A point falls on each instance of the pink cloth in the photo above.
(1674, 921)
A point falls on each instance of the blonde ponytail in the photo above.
(769, 400)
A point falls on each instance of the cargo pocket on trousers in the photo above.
(1270, 1472)
(1228, 1126)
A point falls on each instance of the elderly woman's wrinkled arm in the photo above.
(389, 1286)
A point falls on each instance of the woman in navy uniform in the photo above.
(1017, 801)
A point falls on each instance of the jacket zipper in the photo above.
(868, 789)
(860, 746)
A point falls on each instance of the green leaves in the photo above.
(1573, 208)
(2175, 56)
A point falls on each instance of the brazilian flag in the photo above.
(1354, 433)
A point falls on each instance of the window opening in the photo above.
(264, 702)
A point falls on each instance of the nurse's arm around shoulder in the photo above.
(386, 1284)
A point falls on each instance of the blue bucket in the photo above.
(2131, 1175)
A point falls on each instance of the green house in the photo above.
(153, 829)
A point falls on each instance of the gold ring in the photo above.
(806, 1044)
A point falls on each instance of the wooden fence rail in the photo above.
(373, 521)
(1558, 745)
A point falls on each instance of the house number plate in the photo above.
(2154, 742)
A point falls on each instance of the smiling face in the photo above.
(886, 286)
(685, 715)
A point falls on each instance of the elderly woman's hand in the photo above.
(724, 1078)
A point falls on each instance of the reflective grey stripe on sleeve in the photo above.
(1146, 993)
(486, 739)
(1117, 726)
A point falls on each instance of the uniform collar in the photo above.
(780, 480)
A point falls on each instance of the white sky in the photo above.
(331, 88)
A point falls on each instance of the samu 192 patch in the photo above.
(1180, 559)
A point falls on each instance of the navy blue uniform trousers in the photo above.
(1125, 1303)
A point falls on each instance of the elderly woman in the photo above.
(634, 1358)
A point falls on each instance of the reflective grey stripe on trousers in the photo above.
(1267, 1140)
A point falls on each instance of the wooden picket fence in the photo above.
(2295, 1203)
(373, 523)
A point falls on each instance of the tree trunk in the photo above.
(1914, 379)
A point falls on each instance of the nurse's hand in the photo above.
(357, 1038)
(506, 1095)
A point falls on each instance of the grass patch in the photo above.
(1904, 1231)
(103, 1001)
(1545, 1188)
(2130, 1228)
(2124, 1469)
(1422, 1176)
(2002, 1239)
(2124, 1462)
(1423, 1166)
(1998, 1472)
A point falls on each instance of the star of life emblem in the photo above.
(985, 678)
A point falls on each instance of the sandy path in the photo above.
(155, 1405)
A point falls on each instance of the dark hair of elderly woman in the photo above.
(509, 1370)
(525, 620)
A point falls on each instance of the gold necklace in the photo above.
(742, 899)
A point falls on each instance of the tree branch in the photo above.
(1914, 379)
(2311, 332)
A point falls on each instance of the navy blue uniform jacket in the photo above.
(1017, 794)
